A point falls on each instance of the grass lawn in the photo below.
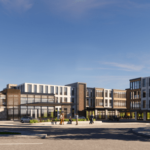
(10, 133)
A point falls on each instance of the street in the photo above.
(108, 136)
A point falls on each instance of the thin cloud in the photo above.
(78, 6)
(17, 5)
(128, 67)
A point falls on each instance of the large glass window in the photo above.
(65, 90)
(110, 102)
(144, 93)
(119, 94)
(72, 91)
(106, 93)
(99, 93)
(30, 98)
(56, 92)
(37, 99)
(106, 104)
(65, 100)
(135, 85)
(50, 99)
(35, 88)
(87, 102)
(46, 89)
(144, 82)
(52, 90)
(29, 88)
(60, 90)
(119, 103)
(87, 92)
(41, 89)
(144, 104)
(44, 99)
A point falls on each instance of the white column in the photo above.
(35, 113)
(135, 115)
(106, 113)
(144, 116)
(31, 113)
(116, 113)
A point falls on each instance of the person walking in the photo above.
(61, 117)
(70, 120)
(76, 119)
(91, 119)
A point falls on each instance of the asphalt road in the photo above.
(108, 136)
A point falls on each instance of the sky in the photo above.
(103, 43)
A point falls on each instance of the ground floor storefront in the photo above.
(36, 111)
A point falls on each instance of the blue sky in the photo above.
(101, 42)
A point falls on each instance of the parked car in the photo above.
(26, 119)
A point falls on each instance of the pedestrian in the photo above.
(61, 117)
(91, 119)
(70, 120)
(76, 119)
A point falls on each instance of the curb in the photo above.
(42, 136)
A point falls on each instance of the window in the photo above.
(87, 102)
(72, 112)
(106, 103)
(87, 92)
(60, 90)
(119, 94)
(65, 91)
(106, 93)
(72, 100)
(144, 104)
(91, 103)
(52, 90)
(144, 84)
(131, 85)
(149, 92)
(72, 91)
(46, 89)
(144, 93)
(109, 93)
(110, 102)
(56, 92)
(35, 88)
(29, 88)
(99, 102)
(119, 103)
(149, 81)
(56, 99)
(41, 89)
(91, 93)
(65, 100)
(99, 93)
(60, 99)
(135, 85)
(50, 99)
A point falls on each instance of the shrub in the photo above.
(48, 120)
(34, 121)
(31, 121)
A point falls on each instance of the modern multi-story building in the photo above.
(42, 100)
(105, 103)
(138, 96)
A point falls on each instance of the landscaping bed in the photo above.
(55, 120)
(10, 133)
